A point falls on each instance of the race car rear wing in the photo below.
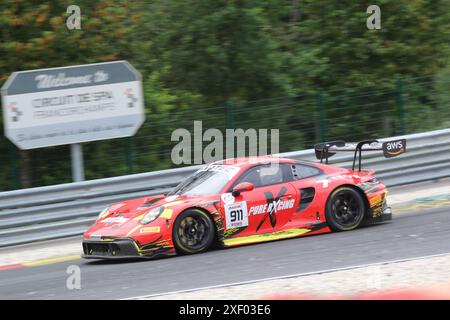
(390, 149)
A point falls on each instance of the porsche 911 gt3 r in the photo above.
(243, 201)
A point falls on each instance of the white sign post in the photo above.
(71, 105)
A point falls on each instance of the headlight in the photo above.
(103, 214)
(152, 215)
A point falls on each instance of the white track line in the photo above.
(288, 276)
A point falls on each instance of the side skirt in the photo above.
(276, 235)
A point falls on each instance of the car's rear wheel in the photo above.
(193, 232)
(345, 209)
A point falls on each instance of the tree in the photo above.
(34, 35)
(309, 67)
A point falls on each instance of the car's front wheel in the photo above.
(193, 232)
(345, 209)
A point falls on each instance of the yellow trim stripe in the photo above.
(140, 217)
(104, 214)
(134, 229)
(51, 260)
(394, 153)
(173, 203)
(289, 233)
(167, 214)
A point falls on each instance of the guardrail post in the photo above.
(401, 106)
(14, 172)
(76, 152)
(322, 116)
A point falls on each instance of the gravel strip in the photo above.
(413, 274)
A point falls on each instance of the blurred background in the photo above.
(308, 67)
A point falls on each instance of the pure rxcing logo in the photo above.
(272, 207)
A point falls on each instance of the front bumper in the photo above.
(124, 249)
(385, 215)
(120, 248)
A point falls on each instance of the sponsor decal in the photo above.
(119, 220)
(375, 200)
(236, 215)
(227, 198)
(272, 207)
(230, 171)
(95, 236)
(150, 230)
(394, 148)
(325, 182)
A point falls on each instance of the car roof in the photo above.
(251, 161)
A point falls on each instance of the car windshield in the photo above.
(209, 180)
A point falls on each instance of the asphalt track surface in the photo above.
(408, 235)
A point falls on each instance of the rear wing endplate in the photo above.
(390, 149)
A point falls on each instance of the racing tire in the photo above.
(345, 209)
(193, 232)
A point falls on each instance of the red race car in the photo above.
(246, 200)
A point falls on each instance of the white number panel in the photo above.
(236, 215)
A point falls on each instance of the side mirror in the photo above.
(241, 187)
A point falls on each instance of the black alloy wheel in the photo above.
(345, 209)
(193, 232)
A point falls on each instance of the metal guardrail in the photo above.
(64, 210)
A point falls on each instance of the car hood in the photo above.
(124, 216)
(139, 206)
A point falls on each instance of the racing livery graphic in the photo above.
(246, 200)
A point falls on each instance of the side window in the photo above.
(300, 171)
(271, 175)
(263, 175)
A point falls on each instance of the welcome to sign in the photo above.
(75, 104)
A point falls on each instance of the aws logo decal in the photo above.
(394, 148)
(111, 220)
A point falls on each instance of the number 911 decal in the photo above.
(236, 215)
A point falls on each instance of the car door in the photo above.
(305, 180)
(269, 205)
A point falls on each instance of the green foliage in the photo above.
(266, 59)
